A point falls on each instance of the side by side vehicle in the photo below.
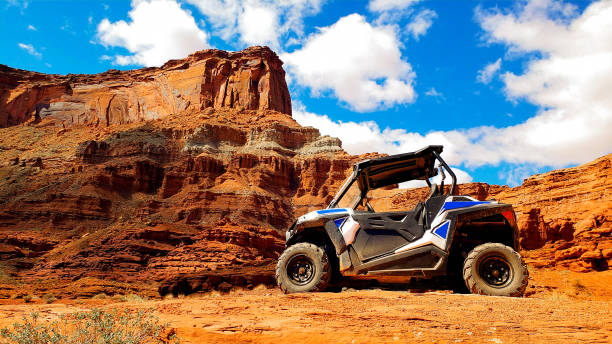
(470, 241)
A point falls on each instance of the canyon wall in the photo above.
(196, 169)
(252, 79)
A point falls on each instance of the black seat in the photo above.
(419, 213)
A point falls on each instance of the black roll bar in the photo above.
(450, 171)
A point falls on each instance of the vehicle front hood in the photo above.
(317, 217)
(320, 213)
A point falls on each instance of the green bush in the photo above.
(95, 327)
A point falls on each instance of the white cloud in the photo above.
(386, 5)
(159, 30)
(367, 137)
(421, 23)
(32, 28)
(432, 92)
(360, 63)
(258, 21)
(29, 48)
(19, 3)
(570, 82)
(462, 177)
(514, 175)
(486, 74)
(259, 25)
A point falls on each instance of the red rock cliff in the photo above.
(252, 79)
(196, 169)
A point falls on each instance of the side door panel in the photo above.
(382, 233)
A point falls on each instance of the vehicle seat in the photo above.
(419, 209)
(433, 191)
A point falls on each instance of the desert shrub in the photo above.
(132, 298)
(95, 326)
(49, 298)
(580, 288)
(27, 298)
(100, 296)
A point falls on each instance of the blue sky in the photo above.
(510, 88)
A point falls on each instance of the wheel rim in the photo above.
(495, 271)
(300, 269)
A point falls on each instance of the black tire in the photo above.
(303, 267)
(495, 269)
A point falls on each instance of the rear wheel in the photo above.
(495, 269)
(303, 267)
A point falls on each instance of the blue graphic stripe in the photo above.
(457, 205)
(339, 221)
(332, 211)
(442, 231)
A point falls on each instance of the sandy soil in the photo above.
(562, 307)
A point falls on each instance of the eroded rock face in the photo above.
(193, 168)
(252, 79)
(186, 177)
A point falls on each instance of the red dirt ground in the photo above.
(562, 306)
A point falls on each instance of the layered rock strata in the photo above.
(194, 167)
(252, 79)
(186, 176)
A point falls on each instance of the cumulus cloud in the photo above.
(257, 21)
(421, 23)
(29, 48)
(486, 74)
(158, 30)
(570, 82)
(367, 137)
(387, 5)
(392, 12)
(360, 63)
(32, 28)
(259, 25)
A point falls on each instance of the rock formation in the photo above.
(194, 167)
(186, 176)
(252, 79)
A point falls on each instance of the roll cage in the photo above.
(380, 172)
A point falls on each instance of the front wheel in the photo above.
(303, 267)
(495, 269)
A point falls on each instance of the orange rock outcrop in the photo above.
(252, 79)
(186, 176)
(194, 167)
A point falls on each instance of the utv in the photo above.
(471, 242)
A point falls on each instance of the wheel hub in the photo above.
(496, 271)
(300, 269)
